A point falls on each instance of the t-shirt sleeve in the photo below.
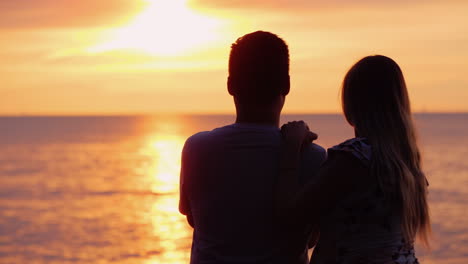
(312, 157)
(359, 148)
(188, 173)
(184, 207)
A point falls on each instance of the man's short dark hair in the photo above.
(259, 67)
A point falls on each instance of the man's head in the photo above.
(259, 71)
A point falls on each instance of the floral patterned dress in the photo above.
(362, 228)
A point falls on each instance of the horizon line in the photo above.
(145, 114)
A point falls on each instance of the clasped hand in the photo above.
(297, 133)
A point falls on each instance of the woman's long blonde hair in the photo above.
(375, 101)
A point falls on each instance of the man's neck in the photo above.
(260, 119)
(268, 114)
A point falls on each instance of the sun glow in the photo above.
(165, 28)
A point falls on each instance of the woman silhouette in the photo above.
(370, 198)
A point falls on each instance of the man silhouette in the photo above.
(228, 174)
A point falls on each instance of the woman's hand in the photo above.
(296, 133)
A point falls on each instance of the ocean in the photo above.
(105, 189)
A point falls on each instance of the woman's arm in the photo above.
(341, 174)
(295, 134)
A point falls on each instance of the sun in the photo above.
(164, 28)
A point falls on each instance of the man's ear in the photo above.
(286, 86)
(231, 86)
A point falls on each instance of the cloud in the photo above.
(65, 13)
(101, 13)
(298, 5)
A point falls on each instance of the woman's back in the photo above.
(371, 193)
(362, 226)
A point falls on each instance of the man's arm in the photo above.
(184, 205)
(312, 157)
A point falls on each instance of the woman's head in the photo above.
(374, 89)
(376, 103)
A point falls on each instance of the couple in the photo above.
(256, 194)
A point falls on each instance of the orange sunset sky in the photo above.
(150, 56)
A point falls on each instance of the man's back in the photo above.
(228, 178)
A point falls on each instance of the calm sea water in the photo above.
(104, 189)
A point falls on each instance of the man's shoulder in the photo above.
(240, 131)
(196, 139)
(313, 156)
(205, 137)
(315, 150)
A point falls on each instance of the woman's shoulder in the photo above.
(358, 147)
(347, 169)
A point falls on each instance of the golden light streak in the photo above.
(165, 170)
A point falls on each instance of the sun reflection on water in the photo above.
(165, 151)
(171, 228)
